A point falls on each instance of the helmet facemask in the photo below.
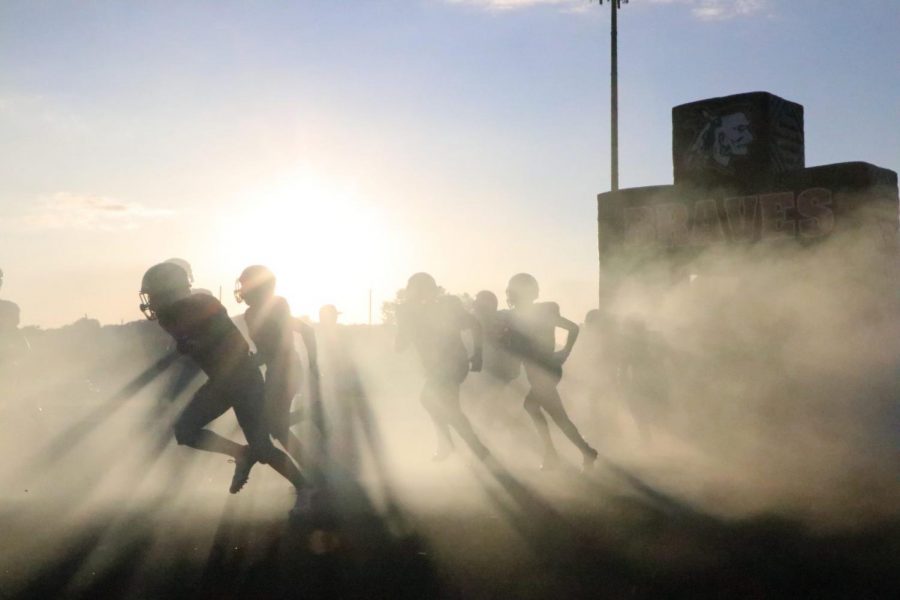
(152, 302)
(145, 307)
(255, 285)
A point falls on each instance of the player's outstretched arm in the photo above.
(308, 335)
(572, 334)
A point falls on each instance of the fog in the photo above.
(783, 365)
(773, 373)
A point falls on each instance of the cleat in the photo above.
(242, 466)
(588, 460)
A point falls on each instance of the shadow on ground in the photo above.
(642, 543)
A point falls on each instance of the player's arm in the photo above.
(186, 345)
(572, 334)
(472, 324)
(308, 335)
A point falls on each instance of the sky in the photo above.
(349, 144)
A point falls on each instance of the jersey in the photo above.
(436, 332)
(531, 333)
(9, 315)
(201, 328)
(13, 344)
(271, 328)
(499, 362)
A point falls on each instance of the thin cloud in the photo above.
(703, 10)
(503, 5)
(35, 110)
(721, 10)
(66, 210)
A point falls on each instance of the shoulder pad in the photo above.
(450, 300)
(550, 308)
(206, 303)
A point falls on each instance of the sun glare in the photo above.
(325, 243)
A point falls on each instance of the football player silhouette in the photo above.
(531, 334)
(13, 345)
(501, 367)
(202, 330)
(271, 328)
(499, 363)
(433, 323)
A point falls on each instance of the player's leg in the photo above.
(262, 450)
(183, 373)
(431, 401)
(537, 379)
(532, 406)
(279, 396)
(491, 400)
(552, 404)
(249, 406)
(204, 407)
(448, 396)
(290, 442)
(250, 414)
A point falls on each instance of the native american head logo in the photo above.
(721, 138)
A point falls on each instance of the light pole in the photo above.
(615, 5)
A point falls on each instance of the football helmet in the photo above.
(184, 265)
(161, 285)
(255, 282)
(328, 314)
(522, 289)
(421, 287)
(486, 301)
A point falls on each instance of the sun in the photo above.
(323, 240)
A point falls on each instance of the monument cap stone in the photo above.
(740, 140)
